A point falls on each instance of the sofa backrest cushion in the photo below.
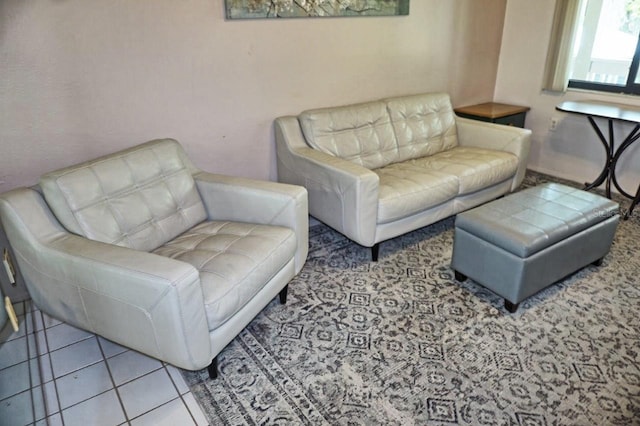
(138, 198)
(423, 124)
(360, 133)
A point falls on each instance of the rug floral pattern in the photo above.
(400, 342)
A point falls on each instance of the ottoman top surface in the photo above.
(528, 221)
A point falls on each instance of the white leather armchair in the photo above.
(146, 250)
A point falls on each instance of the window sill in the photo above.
(605, 95)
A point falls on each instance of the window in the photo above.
(606, 49)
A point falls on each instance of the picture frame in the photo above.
(266, 9)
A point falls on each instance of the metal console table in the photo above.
(612, 112)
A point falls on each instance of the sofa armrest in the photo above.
(342, 194)
(140, 300)
(497, 137)
(257, 201)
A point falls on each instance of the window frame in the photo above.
(630, 88)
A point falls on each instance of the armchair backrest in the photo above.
(375, 134)
(139, 198)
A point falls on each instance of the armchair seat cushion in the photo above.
(235, 261)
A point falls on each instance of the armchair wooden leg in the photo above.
(213, 368)
(283, 294)
(374, 252)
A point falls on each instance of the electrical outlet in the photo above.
(553, 123)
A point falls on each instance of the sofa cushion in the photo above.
(359, 133)
(138, 198)
(423, 124)
(235, 261)
(474, 168)
(407, 189)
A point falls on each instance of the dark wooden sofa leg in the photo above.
(213, 368)
(283, 294)
(374, 252)
(598, 262)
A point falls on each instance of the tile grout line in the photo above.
(162, 405)
(74, 342)
(153, 408)
(115, 387)
(34, 325)
(181, 396)
(53, 378)
(113, 382)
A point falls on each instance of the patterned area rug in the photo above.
(400, 342)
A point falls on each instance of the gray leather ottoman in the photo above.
(522, 243)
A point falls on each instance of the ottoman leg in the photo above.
(511, 307)
(598, 262)
(459, 276)
(213, 368)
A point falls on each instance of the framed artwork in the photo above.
(253, 9)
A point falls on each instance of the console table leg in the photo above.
(617, 112)
(635, 201)
(610, 162)
(608, 148)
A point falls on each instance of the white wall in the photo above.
(83, 78)
(573, 150)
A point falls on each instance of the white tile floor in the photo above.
(55, 374)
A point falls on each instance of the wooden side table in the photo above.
(493, 112)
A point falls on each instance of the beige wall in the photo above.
(572, 150)
(83, 78)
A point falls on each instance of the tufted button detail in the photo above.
(131, 198)
(234, 261)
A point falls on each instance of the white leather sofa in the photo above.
(379, 169)
(146, 250)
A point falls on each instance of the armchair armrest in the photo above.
(143, 301)
(497, 137)
(257, 201)
(342, 194)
